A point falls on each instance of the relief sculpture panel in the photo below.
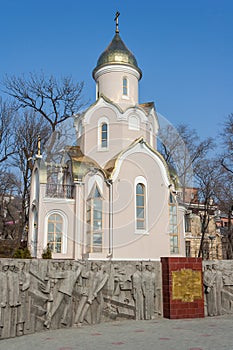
(218, 287)
(37, 295)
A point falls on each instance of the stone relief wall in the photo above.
(218, 287)
(37, 295)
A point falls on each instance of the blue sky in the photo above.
(184, 48)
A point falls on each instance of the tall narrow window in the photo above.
(94, 221)
(173, 227)
(140, 206)
(104, 135)
(187, 221)
(125, 86)
(55, 231)
(188, 249)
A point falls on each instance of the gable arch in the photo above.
(95, 179)
(134, 111)
(142, 147)
(101, 103)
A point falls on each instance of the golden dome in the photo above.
(117, 53)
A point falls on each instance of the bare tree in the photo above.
(10, 205)
(55, 100)
(224, 194)
(227, 142)
(182, 150)
(7, 145)
(48, 103)
(26, 132)
(208, 179)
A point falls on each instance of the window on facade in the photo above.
(140, 207)
(125, 86)
(94, 219)
(55, 231)
(187, 220)
(173, 227)
(104, 135)
(188, 249)
(206, 250)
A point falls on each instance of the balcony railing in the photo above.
(59, 191)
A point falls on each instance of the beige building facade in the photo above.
(195, 210)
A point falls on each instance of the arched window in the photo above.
(173, 227)
(104, 135)
(125, 86)
(55, 232)
(94, 221)
(140, 207)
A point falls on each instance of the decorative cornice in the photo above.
(116, 68)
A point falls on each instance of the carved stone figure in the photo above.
(94, 281)
(13, 285)
(96, 301)
(23, 316)
(137, 292)
(3, 295)
(209, 283)
(218, 286)
(68, 279)
(149, 292)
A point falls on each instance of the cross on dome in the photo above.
(116, 20)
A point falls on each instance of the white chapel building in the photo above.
(112, 196)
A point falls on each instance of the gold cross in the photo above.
(116, 19)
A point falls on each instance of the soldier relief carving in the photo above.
(218, 287)
(38, 295)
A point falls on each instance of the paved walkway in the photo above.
(161, 334)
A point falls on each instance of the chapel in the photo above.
(111, 196)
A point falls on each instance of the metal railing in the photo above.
(59, 191)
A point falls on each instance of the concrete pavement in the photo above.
(161, 334)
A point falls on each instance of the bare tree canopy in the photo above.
(7, 145)
(26, 132)
(55, 100)
(10, 205)
(182, 149)
(227, 140)
(208, 179)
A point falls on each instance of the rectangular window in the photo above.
(188, 249)
(125, 86)
(94, 218)
(173, 227)
(104, 135)
(174, 244)
(187, 223)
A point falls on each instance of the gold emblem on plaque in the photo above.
(186, 285)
